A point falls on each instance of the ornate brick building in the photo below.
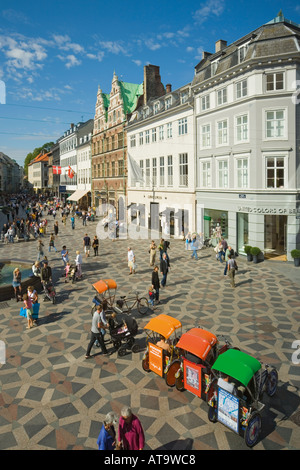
(109, 142)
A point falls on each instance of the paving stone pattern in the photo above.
(51, 397)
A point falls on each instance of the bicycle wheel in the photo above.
(142, 306)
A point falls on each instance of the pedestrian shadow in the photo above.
(247, 281)
(52, 317)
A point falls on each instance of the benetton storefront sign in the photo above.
(269, 210)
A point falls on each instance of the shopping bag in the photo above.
(23, 312)
(36, 309)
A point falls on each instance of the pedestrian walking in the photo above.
(130, 432)
(56, 228)
(131, 260)
(107, 437)
(152, 251)
(96, 333)
(164, 269)
(227, 253)
(232, 268)
(194, 247)
(16, 283)
(52, 242)
(65, 255)
(156, 283)
(40, 250)
(86, 245)
(73, 222)
(95, 245)
(29, 310)
(78, 262)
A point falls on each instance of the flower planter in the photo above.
(297, 262)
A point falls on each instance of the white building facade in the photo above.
(161, 164)
(247, 140)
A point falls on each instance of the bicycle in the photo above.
(124, 307)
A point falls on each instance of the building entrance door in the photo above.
(275, 235)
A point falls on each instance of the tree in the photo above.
(30, 156)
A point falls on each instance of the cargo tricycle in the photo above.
(235, 393)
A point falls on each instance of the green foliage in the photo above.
(255, 250)
(247, 249)
(295, 253)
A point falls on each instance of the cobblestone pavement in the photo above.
(51, 397)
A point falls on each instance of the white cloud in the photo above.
(99, 56)
(64, 43)
(151, 44)
(209, 8)
(137, 62)
(71, 60)
(114, 47)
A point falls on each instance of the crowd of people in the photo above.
(40, 222)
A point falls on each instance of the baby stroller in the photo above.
(122, 331)
(49, 292)
(72, 273)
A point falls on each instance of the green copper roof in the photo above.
(281, 19)
(130, 94)
(237, 365)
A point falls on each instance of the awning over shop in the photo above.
(78, 194)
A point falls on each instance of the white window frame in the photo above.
(241, 91)
(182, 126)
(170, 170)
(223, 133)
(156, 107)
(222, 165)
(266, 120)
(161, 132)
(208, 134)
(141, 138)
(241, 125)
(169, 130)
(161, 171)
(206, 173)
(183, 170)
(147, 136)
(244, 172)
(205, 102)
(277, 155)
(275, 87)
(154, 172)
(242, 51)
(153, 135)
(132, 140)
(221, 96)
(142, 172)
(168, 102)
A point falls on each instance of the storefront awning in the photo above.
(78, 194)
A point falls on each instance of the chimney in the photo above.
(153, 88)
(220, 45)
(205, 55)
(168, 88)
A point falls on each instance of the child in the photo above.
(151, 296)
(67, 269)
(29, 310)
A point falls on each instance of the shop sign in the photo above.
(268, 210)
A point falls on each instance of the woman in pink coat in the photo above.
(131, 433)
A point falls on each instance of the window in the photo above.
(142, 171)
(154, 134)
(275, 124)
(275, 81)
(275, 172)
(169, 130)
(184, 96)
(170, 170)
(147, 171)
(154, 171)
(132, 141)
(242, 173)
(141, 138)
(241, 123)
(222, 132)
(182, 126)
(147, 137)
(161, 171)
(183, 169)
(205, 102)
(222, 96)
(241, 89)
(223, 173)
(205, 175)
(168, 102)
(120, 168)
(214, 67)
(161, 132)
(113, 171)
(205, 136)
(156, 108)
(242, 51)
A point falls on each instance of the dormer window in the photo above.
(214, 66)
(168, 102)
(184, 96)
(242, 51)
(156, 108)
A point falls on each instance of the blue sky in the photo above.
(53, 55)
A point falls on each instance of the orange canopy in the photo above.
(104, 285)
(198, 342)
(163, 325)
